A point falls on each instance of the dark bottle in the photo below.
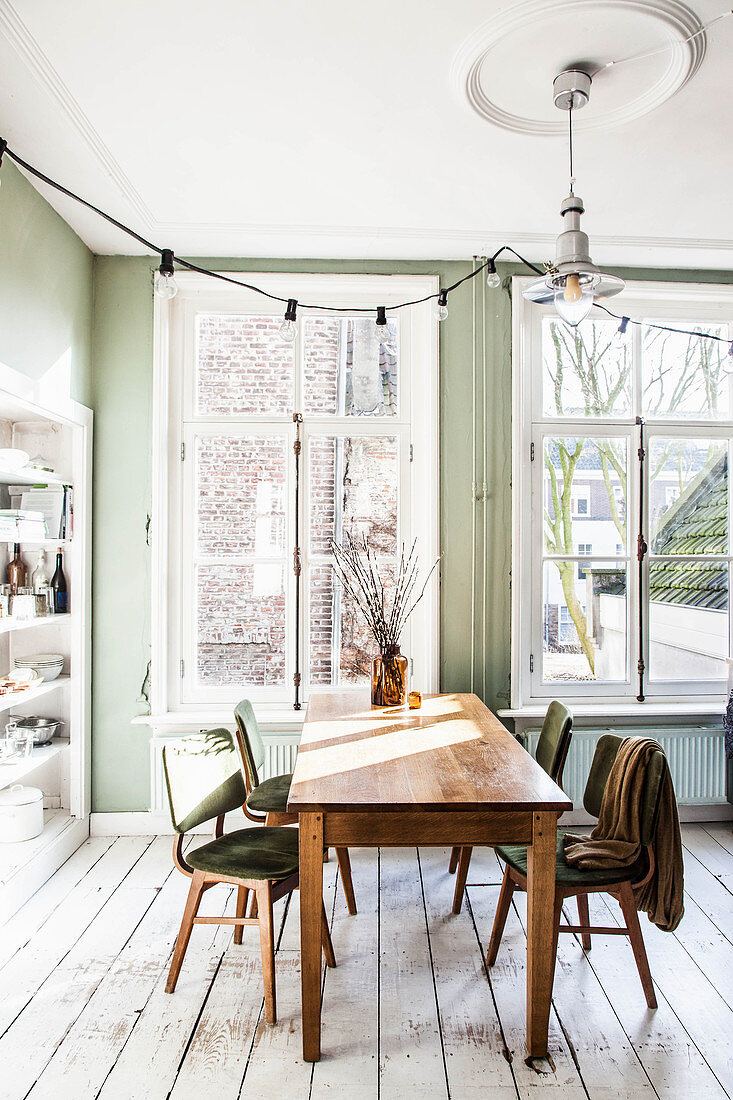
(16, 573)
(58, 584)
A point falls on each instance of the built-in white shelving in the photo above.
(35, 419)
(20, 698)
(41, 755)
(10, 626)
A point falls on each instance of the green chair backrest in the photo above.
(600, 769)
(250, 743)
(554, 742)
(203, 778)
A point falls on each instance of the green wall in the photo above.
(475, 430)
(45, 287)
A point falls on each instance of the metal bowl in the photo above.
(43, 728)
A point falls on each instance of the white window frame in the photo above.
(416, 427)
(705, 302)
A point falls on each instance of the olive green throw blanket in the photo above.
(616, 839)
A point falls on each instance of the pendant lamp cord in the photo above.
(570, 145)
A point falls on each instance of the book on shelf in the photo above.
(18, 524)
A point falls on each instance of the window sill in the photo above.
(172, 723)
(609, 709)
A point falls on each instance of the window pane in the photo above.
(586, 370)
(341, 646)
(240, 494)
(353, 488)
(243, 368)
(688, 620)
(347, 371)
(685, 376)
(688, 496)
(584, 621)
(240, 619)
(584, 493)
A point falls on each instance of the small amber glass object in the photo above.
(389, 679)
(415, 700)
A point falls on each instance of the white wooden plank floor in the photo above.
(409, 1011)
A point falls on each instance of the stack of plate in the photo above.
(47, 665)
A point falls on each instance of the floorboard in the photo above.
(410, 1009)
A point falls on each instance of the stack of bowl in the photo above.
(47, 665)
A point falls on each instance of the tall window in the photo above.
(589, 618)
(275, 449)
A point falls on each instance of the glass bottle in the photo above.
(16, 573)
(58, 584)
(40, 577)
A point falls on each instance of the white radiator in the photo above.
(281, 750)
(695, 754)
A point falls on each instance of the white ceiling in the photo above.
(325, 128)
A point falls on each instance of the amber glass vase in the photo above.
(389, 678)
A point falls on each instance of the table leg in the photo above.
(311, 902)
(540, 930)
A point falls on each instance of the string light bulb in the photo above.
(166, 286)
(730, 349)
(619, 336)
(289, 328)
(381, 326)
(493, 279)
(441, 306)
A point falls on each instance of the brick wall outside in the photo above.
(245, 369)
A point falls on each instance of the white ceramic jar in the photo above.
(21, 813)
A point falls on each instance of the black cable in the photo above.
(491, 262)
(662, 328)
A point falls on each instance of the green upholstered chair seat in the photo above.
(258, 853)
(272, 795)
(516, 856)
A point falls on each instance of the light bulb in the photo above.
(288, 331)
(441, 306)
(576, 308)
(619, 336)
(383, 334)
(572, 291)
(166, 286)
(493, 279)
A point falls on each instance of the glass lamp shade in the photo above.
(573, 301)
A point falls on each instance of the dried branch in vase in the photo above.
(358, 570)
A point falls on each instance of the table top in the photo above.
(452, 754)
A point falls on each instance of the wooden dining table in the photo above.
(446, 774)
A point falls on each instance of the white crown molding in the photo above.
(28, 49)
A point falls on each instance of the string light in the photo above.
(381, 327)
(165, 284)
(441, 306)
(493, 279)
(289, 328)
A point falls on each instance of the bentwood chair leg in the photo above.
(342, 855)
(241, 911)
(502, 912)
(326, 939)
(463, 862)
(628, 907)
(253, 906)
(455, 855)
(267, 949)
(584, 915)
(193, 901)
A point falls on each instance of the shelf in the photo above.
(31, 477)
(14, 773)
(45, 544)
(20, 698)
(10, 625)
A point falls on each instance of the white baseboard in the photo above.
(146, 823)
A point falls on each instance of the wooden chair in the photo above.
(574, 882)
(269, 799)
(551, 754)
(204, 782)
